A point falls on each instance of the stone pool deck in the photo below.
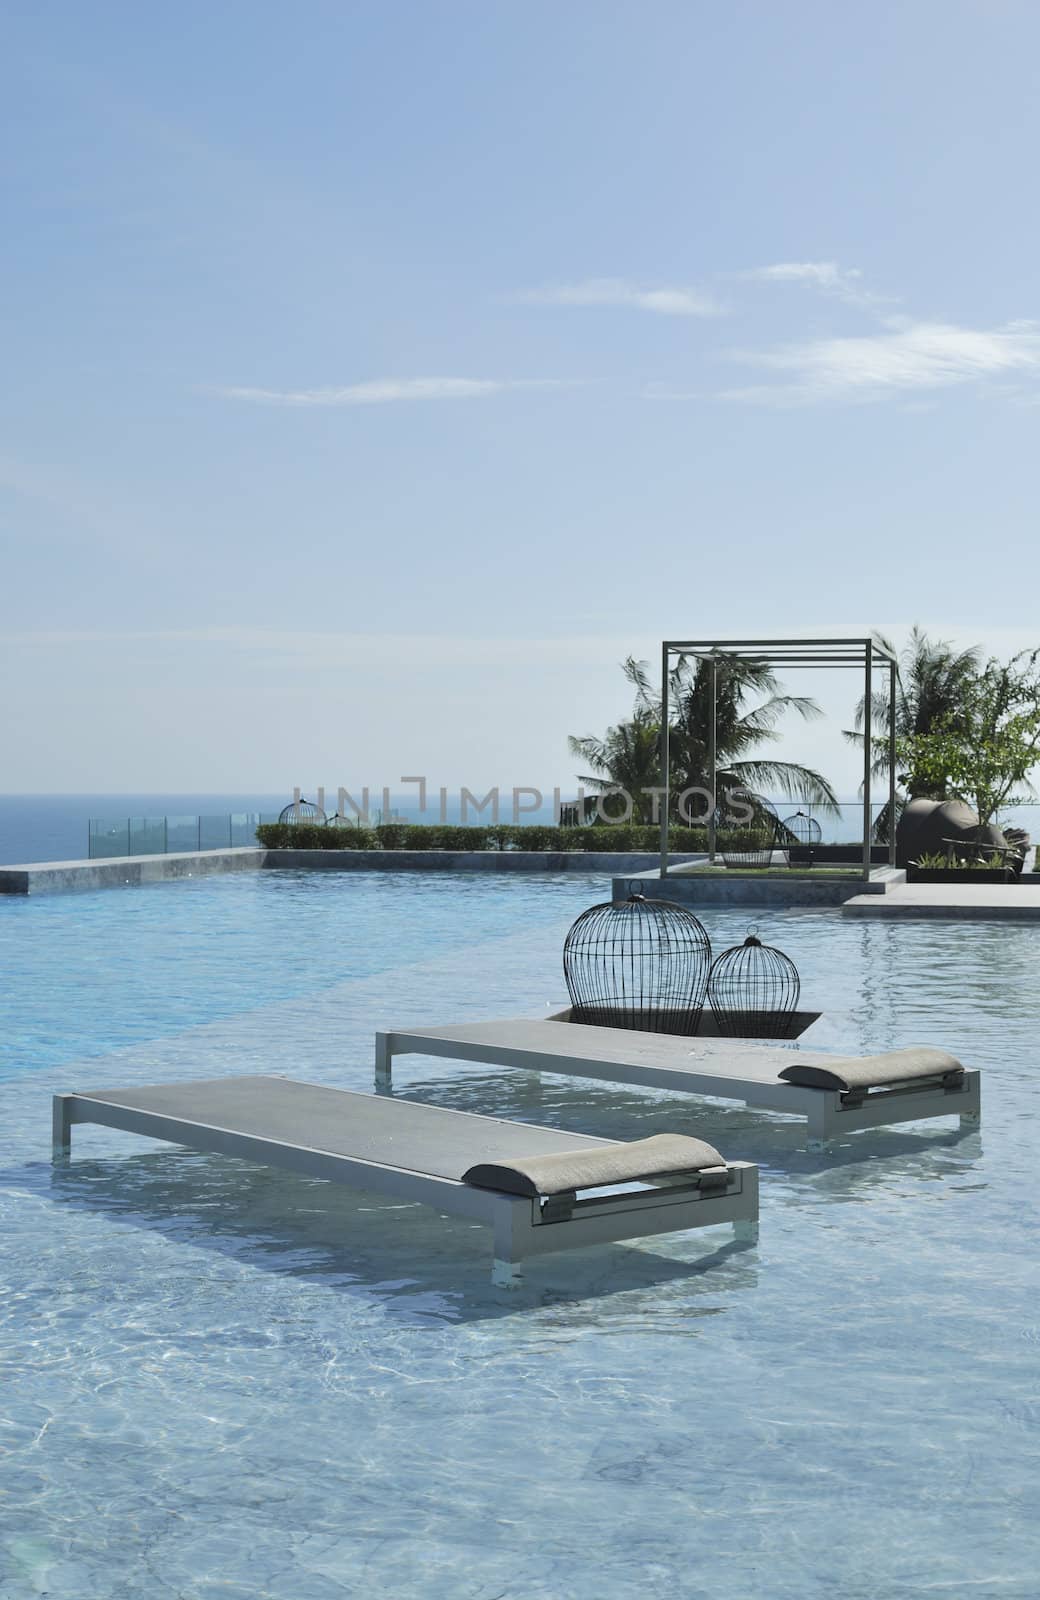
(56, 877)
(887, 894)
(1013, 902)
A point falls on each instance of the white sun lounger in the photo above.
(540, 1189)
(836, 1094)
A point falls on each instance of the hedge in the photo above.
(417, 836)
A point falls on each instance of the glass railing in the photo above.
(157, 836)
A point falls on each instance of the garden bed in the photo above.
(977, 875)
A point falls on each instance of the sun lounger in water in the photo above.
(540, 1189)
(837, 1094)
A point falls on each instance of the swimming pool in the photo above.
(217, 1380)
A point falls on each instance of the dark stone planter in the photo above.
(797, 1023)
(981, 876)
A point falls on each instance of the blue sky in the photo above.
(539, 331)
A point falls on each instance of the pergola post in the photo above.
(713, 757)
(665, 715)
(867, 756)
(891, 763)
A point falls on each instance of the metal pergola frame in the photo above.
(866, 655)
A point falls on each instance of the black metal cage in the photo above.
(302, 811)
(753, 991)
(638, 963)
(799, 835)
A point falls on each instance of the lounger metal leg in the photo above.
(821, 1121)
(61, 1126)
(971, 1114)
(384, 1064)
(512, 1224)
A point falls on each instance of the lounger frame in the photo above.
(657, 1061)
(522, 1227)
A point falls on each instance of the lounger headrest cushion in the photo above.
(874, 1072)
(598, 1166)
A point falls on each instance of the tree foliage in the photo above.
(629, 754)
(987, 746)
(931, 680)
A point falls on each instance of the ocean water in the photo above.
(221, 1381)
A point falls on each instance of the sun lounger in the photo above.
(540, 1189)
(836, 1094)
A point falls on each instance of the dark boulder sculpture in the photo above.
(927, 826)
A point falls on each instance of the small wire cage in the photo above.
(753, 991)
(750, 844)
(799, 836)
(302, 811)
(638, 963)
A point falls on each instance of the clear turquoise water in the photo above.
(216, 1380)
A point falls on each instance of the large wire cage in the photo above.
(750, 844)
(799, 836)
(638, 963)
(302, 811)
(753, 991)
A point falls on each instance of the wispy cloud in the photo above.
(665, 300)
(842, 283)
(384, 391)
(907, 357)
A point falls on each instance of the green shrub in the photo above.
(392, 835)
(538, 836)
(313, 836)
(938, 862)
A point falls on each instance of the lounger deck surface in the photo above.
(413, 1138)
(727, 1068)
(420, 1153)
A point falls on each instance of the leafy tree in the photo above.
(932, 679)
(628, 756)
(985, 749)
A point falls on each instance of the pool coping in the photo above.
(119, 872)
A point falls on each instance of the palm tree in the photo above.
(628, 757)
(931, 679)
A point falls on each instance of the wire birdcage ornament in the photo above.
(750, 844)
(753, 991)
(302, 811)
(800, 835)
(638, 963)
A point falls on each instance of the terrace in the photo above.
(199, 1343)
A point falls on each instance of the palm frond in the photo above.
(793, 781)
(589, 748)
(638, 675)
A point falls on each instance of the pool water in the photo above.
(221, 1381)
